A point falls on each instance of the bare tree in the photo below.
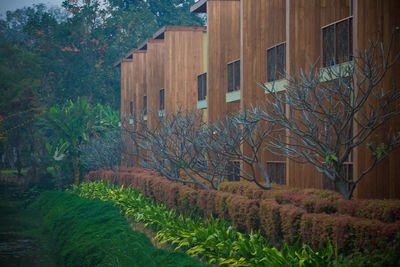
(241, 137)
(103, 153)
(173, 146)
(182, 143)
(325, 114)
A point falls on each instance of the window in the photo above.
(131, 108)
(233, 171)
(144, 105)
(234, 76)
(337, 42)
(277, 171)
(162, 99)
(276, 62)
(328, 184)
(202, 87)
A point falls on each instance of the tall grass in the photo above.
(93, 233)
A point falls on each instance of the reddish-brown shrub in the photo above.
(270, 220)
(372, 234)
(244, 213)
(290, 222)
(383, 210)
(282, 214)
(316, 229)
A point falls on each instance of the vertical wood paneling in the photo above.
(154, 78)
(183, 62)
(376, 20)
(139, 79)
(127, 66)
(223, 29)
(305, 20)
(263, 25)
(126, 85)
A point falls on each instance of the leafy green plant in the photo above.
(72, 125)
(213, 240)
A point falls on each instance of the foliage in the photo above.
(284, 215)
(72, 125)
(214, 239)
(93, 233)
(53, 55)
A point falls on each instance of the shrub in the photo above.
(316, 229)
(270, 220)
(282, 214)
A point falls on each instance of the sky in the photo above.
(15, 4)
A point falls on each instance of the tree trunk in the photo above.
(115, 176)
(76, 167)
(344, 188)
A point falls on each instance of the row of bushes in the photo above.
(320, 201)
(87, 232)
(280, 221)
(213, 240)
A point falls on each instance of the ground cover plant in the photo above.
(93, 233)
(214, 240)
(21, 244)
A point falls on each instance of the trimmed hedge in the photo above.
(283, 214)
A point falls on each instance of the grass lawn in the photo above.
(61, 229)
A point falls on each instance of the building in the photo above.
(250, 42)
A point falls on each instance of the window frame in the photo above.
(131, 108)
(233, 175)
(162, 99)
(145, 105)
(281, 75)
(275, 171)
(235, 71)
(350, 42)
(202, 90)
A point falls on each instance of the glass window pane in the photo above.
(230, 77)
(350, 39)
(271, 64)
(281, 174)
(145, 105)
(276, 172)
(162, 98)
(280, 68)
(131, 108)
(328, 46)
(237, 75)
(342, 40)
(205, 85)
(199, 88)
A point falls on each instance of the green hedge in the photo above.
(93, 233)
(284, 215)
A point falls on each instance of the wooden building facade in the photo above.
(223, 50)
(249, 42)
(183, 48)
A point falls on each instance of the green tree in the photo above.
(74, 124)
